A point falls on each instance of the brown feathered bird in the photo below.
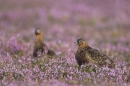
(51, 52)
(87, 54)
(39, 45)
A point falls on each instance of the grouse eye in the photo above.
(80, 41)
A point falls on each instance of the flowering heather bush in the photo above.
(104, 24)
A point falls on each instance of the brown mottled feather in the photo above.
(51, 53)
(86, 54)
(39, 46)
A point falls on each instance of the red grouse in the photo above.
(86, 54)
(40, 46)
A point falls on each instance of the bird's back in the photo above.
(91, 55)
(99, 58)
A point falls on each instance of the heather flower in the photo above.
(104, 26)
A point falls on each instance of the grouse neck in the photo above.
(39, 37)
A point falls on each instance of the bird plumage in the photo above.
(51, 52)
(39, 45)
(87, 54)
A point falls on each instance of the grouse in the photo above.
(86, 54)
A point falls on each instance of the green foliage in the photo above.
(127, 58)
(17, 76)
(65, 74)
(91, 22)
(50, 18)
(88, 69)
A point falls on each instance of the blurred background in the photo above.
(63, 21)
(60, 14)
